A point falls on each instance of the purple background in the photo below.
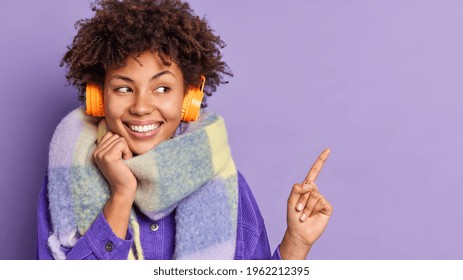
(379, 82)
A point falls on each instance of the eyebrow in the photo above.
(127, 79)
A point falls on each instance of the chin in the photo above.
(140, 149)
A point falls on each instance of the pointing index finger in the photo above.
(317, 166)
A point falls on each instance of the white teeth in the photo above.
(144, 128)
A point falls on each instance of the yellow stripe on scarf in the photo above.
(222, 154)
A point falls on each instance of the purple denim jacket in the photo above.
(157, 238)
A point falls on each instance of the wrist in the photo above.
(117, 213)
(123, 192)
(291, 248)
(122, 199)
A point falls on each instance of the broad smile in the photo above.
(144, 128)
(143, 131)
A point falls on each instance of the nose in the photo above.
(142, 105)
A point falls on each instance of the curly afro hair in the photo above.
(127, 28)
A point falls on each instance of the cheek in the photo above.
(112, 107)
(114, 111)
(173, 110)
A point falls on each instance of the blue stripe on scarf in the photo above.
(204, 207)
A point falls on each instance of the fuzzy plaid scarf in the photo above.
(185, 173)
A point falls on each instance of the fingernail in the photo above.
(299, 207)
(303, 217)
(306, 186)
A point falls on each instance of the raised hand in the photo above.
(108, 156)
(308, 214)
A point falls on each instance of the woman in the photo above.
(141, 176)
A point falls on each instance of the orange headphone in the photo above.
(190, 109)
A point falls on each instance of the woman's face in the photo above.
(143, 101)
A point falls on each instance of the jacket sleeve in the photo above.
(99, 242)
(252, 240)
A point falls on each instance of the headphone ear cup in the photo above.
(94, 100)
(192, 102)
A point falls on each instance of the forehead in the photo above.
(147, 63)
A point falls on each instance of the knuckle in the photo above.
(303, 199)
(323, 203)
(305, 211)
(121, 143)
(97, 156)
(106, 157)
(309, 205)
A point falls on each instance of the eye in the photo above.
(162, 89)
(123, 89)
